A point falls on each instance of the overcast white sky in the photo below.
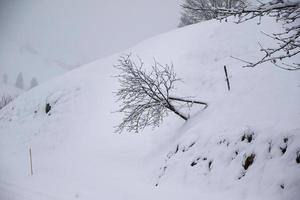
(72, 32)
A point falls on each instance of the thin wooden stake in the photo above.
(30, 156)
(227, 79)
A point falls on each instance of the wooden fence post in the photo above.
(30, 157)
(227, 79)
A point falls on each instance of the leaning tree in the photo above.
(287, 42)
(146, 96)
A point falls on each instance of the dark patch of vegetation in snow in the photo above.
(249, 161)
(248, 136)
(4, 101)
(195, 162)
(47, 108)
(209, 164)
(285, 145)
(188, 148)
(298, 157)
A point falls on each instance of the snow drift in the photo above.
(244, 145)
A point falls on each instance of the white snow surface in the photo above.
(77, 155)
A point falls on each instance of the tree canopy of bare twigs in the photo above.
(145, 96)
(287, 42)
(204, 10)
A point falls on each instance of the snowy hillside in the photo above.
(245, 145)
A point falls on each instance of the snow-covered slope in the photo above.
(244, 145)
(7, 94)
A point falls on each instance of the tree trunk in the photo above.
(188, 101)
(172, 108)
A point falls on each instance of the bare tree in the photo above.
(287, 42)
(146, 95)
(203, 10)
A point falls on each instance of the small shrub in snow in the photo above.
(5, 100)
(298, 157)
(270, 146)
(248, 136)
(195, 162)
(284, 146)
(249, 161)
(209, 164)
(47, 108)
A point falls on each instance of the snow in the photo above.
(76, 155)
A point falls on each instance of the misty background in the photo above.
(44, 38)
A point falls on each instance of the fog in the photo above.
(44, 37)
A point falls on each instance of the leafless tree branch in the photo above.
(145, 95)
(287, 42)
